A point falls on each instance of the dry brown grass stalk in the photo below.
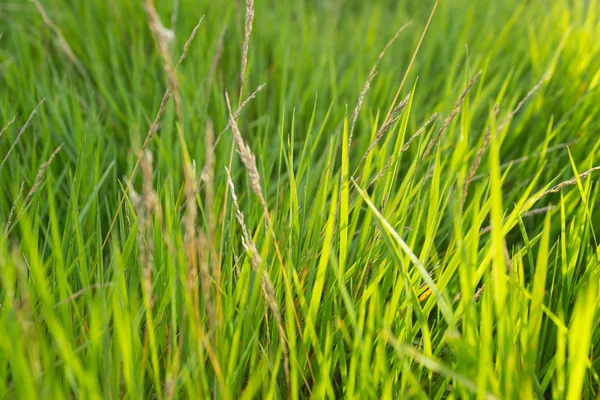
(237, 113)
(9, 123)
(206, 279)
(266, 283)
(249, 162)
(18, 138)
(387, 124)
(196, 248)
(40, 175)
(208, 176)
(487, 135)
(61, 42)
(418, 133)
(569, 182)
(12, 209)
(478, 293)
(190, 239)
(395, 115)
(151, 131)
(247, 31)
(164, 37)
(537, 211)
(530, 213)
(370, 77)
(146, 244)
(189, 41)
(453, 113)
(486, 140)
(231, 151)
(523, 101)
(148, 205)
(387, 165)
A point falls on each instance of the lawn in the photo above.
(299, 199)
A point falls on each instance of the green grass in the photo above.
(356, 277)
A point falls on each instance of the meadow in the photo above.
(299, 199)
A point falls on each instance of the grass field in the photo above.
(323, 198)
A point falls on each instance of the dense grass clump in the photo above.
(292, 199)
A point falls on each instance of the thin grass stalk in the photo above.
(418, 133)
(34, 188)
(208, 177)
(412, 60)
(18, 138)
(9, 123)
(266, 283)
(392, 119)
(190, 239)
(453, 113)
(486, 140)
(236, 115)
(163, 38)
(249, 161)
(370, 77)
(487, 135)
(151, 132)
(146, 206)
(569, 182)
(247, 31)
(62, 43)
(12, 210)
(40, 175)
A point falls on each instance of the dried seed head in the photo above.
(148, 204)
(245, 45)
(266, 283)
(40, 175)
(486, 140)
(569, 182)
(34, 188)
(249, 162)
(523, 101)
(18, 138)
(188, 42)
(12, 209)
(367, 84)
(61, 42)
(453, 113)
(236, 114)
(151, 131)
(487, 135)
(418, 133)
(385, 127)
(9, 123)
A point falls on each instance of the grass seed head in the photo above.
(453, 113)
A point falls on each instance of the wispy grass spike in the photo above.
(453, 113)
(18, 138)
(370, 77)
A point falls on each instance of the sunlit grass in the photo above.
(319, 236)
